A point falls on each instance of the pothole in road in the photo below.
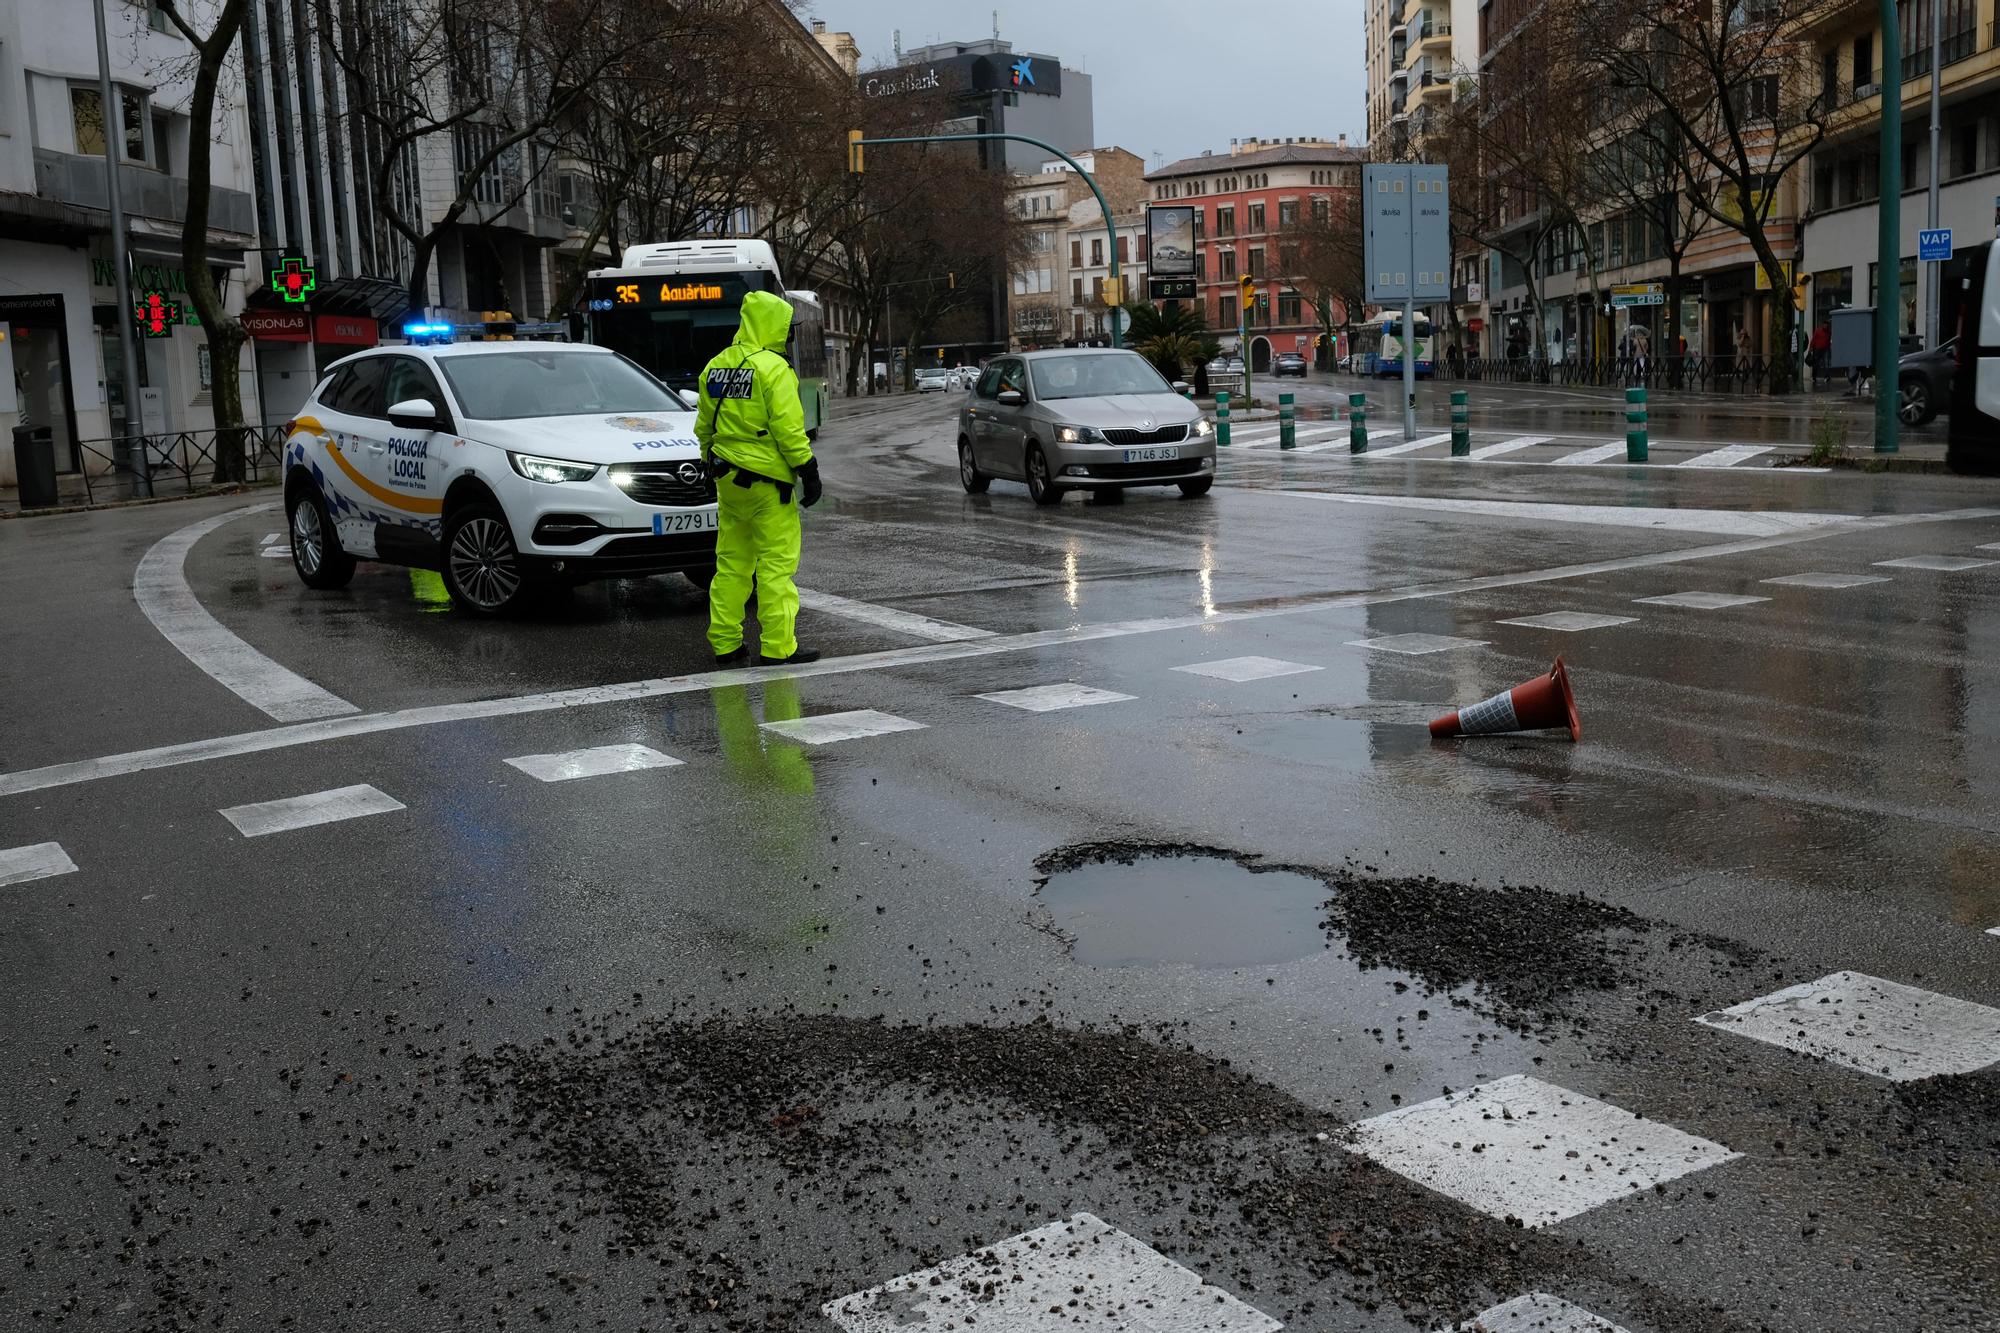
(1207, 909)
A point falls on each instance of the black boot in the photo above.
(802, 655)
(735, 657)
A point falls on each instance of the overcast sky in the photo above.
(1171, 77)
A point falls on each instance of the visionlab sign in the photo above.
(1004, 72)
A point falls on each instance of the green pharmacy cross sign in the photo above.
(156, 314)
(293, 279)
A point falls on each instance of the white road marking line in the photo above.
(1700, 601)
(1947, 564)
(1538, 1312)
(38, 860)
(1877, 1027)
(1826, 580)
(1507, 446)
(1241, 669)
(1724, 522)
(594, 762)
(267, 739)
(1596, 454)
(161, 588)
(1416, 645)
(1096, 1275)
(1054, 698)
(1990, 546)
(1570, 621)
(1993, 930)
(1523, 1148)
(1407, 447)
(885, 617)
(1727, 456)
(276, 553)
(1300, 438)
(320, 807)
(273, 538)
(826, 728)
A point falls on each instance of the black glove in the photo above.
(809, 488)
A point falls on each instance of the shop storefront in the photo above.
(294, 349)
(38, 387)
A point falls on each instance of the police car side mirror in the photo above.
(1180, 386)
(1012, 398)
(414, 414)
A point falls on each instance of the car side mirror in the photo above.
(1180, 386)
(414, 414)
(1012, 398)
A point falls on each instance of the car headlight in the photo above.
(551, 469)
(1078, 435)
(1204, 428)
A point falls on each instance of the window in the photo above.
(357, 390)
(1097, 251)
(162, 140)
(1288, 258)
(1097, 289)
(1076, 290)
(1289, 310)
(1757, 99)
(1256, 261)
(1829, 81)
(1288, 212)
(1199, 215)
(86, 114)
(1225, 222)
(1864, 62)
(1076, 254)
(1145, 248)
(1228, 265)
(1964, 149)
(408, 378)
(1256, 219)
(1201, 266)
(1322, 209)
(1124, 250)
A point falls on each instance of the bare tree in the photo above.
(1321, 255)
(224, 334)
(1735, 82)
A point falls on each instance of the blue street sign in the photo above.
(1934, 245)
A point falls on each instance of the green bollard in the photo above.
(1461, 424)
(1287, 427)
(1222, 417)
(1357, 419)
(1635, 424)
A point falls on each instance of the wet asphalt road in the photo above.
(705, 1046)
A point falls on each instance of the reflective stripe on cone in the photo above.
(1533, 705)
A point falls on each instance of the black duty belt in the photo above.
(746, 478)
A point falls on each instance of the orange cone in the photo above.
(1533, 705)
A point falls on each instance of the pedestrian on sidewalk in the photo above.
(1742, 350)
(751, 427)
(1821, 349)
(1642, 350)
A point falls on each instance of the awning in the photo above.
(376, 299)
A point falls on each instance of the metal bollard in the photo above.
(1222, 417)
(1287, 426)
(1357, 419)
(1635, 424)
(1461, 424)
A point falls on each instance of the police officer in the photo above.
(753, 438)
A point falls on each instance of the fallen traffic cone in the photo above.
(1533, 705)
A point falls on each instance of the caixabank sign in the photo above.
(1008, 72)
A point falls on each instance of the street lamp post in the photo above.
(1889, 235)
(135, 426)
(1110, 223)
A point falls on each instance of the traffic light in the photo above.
(497, 325)
(855, 151)
(1247, 285)
(1114, 291)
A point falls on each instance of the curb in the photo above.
(206, 492)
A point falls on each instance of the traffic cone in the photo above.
(1533, 705)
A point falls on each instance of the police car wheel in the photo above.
(969, 475)
(316, 552)
(482, 568)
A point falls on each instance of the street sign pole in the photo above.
(1409, 368)
(1888, 234)
(121, 268)
(1931, 215)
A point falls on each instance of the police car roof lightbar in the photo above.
(418, 333)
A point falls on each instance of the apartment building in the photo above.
(1060, 274)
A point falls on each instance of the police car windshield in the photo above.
(1095, 375)
(508, 386)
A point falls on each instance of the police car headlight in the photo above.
(1077, 435)
(551, 469)
(1204, 428)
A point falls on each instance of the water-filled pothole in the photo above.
(1168, 907)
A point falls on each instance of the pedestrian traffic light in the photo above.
(1248, 286)
(497, 325)
(855, 151)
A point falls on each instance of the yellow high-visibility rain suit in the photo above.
(752, 432)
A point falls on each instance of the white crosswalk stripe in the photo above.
(1408, 447)
(1301, 437)
(1727, 456)
(38, 860)
(1507, 446)
(594, 762)
(1596, 454)
(1050, 698)
(1877, 1027)
(1538, 1312)
(320, 807)
(827, 728)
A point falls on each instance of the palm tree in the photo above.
(1171, 339)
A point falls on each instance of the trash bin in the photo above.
(35, 465)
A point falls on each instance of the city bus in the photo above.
(672, 306)
(1378, 346)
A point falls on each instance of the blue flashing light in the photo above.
(418, 333)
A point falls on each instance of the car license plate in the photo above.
(692, 520)
(1151, 455)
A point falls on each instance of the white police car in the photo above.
(504, 466)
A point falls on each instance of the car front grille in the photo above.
(1164, 435)
(660, 484)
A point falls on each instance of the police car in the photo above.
(507, 467)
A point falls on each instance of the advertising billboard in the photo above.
(1170, 252)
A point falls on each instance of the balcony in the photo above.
(1952, 49)
(78, 181)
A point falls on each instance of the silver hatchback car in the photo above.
(1089, 419)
